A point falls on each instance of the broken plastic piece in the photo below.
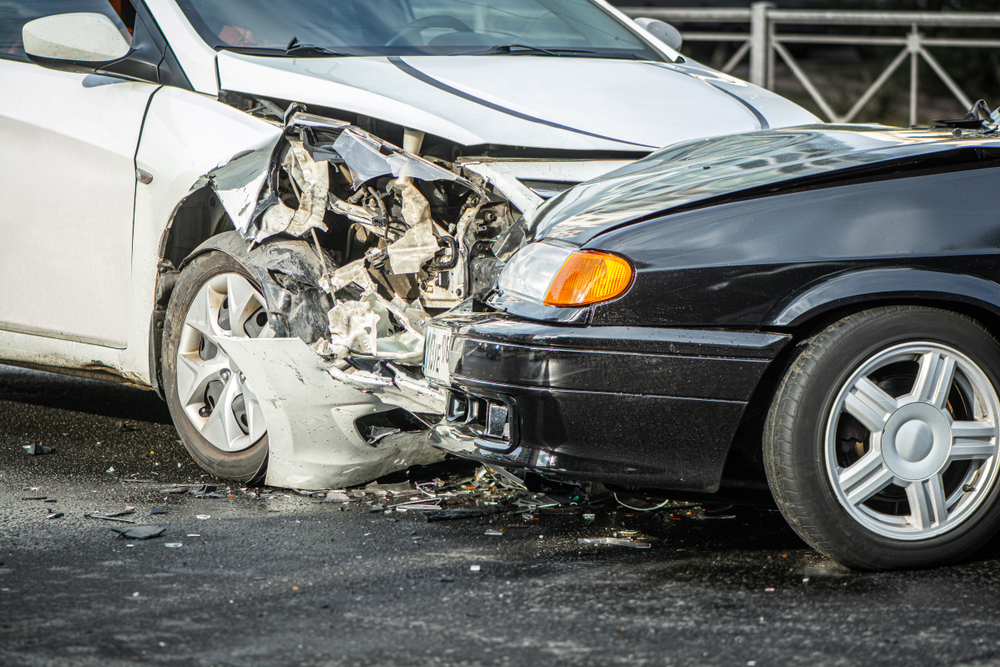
(369, 157)
(55, 515)
(35, 449)
(614, 541)
(140, 532)
(313, 183)
(206, 491)
(104, 517)
(157, 510)
(450, 515)
(419, 244)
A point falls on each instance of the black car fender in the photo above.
(882, 285)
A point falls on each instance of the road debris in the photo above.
(140, 532)
(158, 510)
(207, 491)
(55, 515)
(94, 515)
(615, 541)
(36, 449)
(202, 517)
(173, 545)
(450, 515)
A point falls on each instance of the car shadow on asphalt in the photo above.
(64, 392)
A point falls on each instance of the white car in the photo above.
(252, 207)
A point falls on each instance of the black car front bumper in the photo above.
(637, 406)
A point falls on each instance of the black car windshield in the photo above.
(413, 27)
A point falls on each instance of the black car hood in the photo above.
(705, 170)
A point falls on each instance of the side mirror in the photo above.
(662, 31)
(77, 42)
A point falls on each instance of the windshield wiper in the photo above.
(524, 48)
(297, 48)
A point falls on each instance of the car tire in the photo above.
(881, 444)
(212, 405)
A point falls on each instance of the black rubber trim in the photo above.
(430, 81)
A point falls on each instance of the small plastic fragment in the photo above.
(173, 545)
(449, 515)
(614, 541)
(206, 491)
(35, 449)
(474, 568)
(158, 510)
(55, 515)
(496, 533)
(202, 517)
(94, 515)
(140, 532)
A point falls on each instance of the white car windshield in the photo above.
(316, 28)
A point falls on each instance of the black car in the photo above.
(814, 307)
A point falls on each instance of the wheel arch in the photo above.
(813, 309)
(288, 271)
(854, 290)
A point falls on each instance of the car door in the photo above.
(67, 189)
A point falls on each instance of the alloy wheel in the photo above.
(912, 441)
(215, 395)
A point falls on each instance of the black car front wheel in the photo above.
(881, 445)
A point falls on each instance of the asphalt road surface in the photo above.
(276, 578)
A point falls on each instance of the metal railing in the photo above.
(765, 44)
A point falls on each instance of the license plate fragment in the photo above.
(437, 350)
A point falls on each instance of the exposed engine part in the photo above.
(404, 234)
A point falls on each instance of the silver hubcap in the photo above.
(217, 398)
(912, 441)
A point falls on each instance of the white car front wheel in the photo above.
(211, 401)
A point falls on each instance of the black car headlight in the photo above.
(561, 276)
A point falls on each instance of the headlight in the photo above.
(559, 276)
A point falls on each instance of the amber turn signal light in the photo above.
(588, 277)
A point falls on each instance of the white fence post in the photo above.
(760, 45)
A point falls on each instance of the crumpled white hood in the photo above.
(537, 102)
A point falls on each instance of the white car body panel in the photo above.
(531, 101)
(66, 225)
(185, 136)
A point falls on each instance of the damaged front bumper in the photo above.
(326, 429)
(649, 407)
